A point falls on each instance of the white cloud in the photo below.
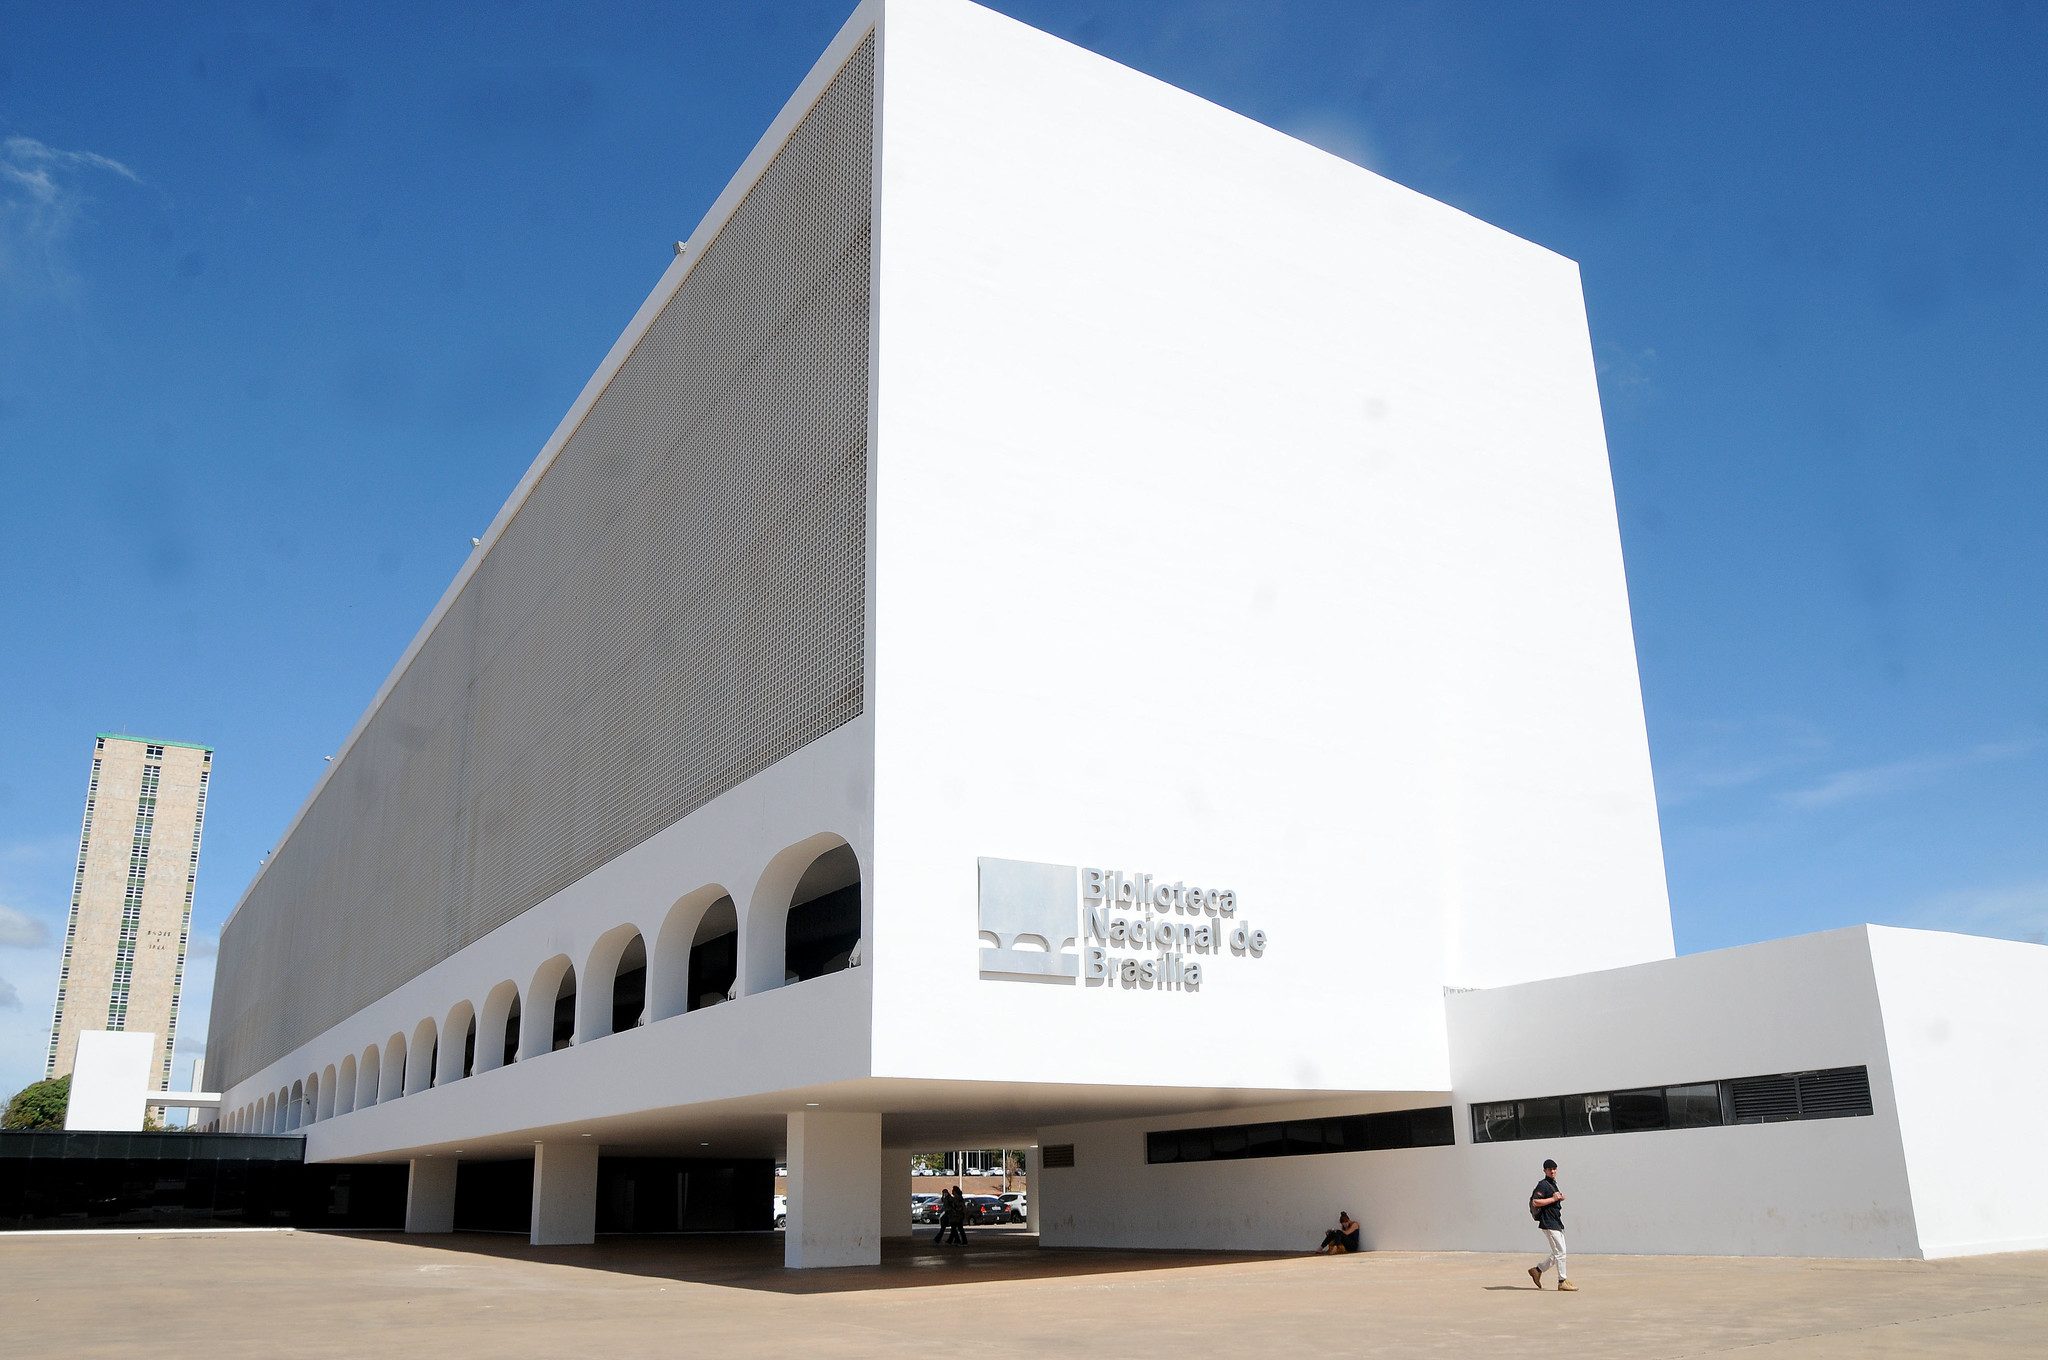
(2017, 911)
(40, 202)
(21, 930)
(1847, 785)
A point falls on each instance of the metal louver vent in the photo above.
(1057, 1155)
(1760, 1099)
(679, 604)
(1834, 1094)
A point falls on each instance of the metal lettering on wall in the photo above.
(1131, 931)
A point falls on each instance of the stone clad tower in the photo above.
(131, 897)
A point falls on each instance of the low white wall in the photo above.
(1798, 1189)
(1968, 1040)
(1831, 1187)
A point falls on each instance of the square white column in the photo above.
(897, 1188)
(430, 1195)
(564, 1194)
(835, 1179)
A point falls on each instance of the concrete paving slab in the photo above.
(318, 1294)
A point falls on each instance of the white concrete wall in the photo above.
(110, 1080)
(1967, 1035)
(1245, 518)
(1833, 1187)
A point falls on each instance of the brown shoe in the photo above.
(1567, 1287)
(1536, 1274)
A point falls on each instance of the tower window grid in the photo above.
(131, 903)
(185, 923)
(92, 793)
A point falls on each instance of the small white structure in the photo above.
(110, 1080)
(1071, 617)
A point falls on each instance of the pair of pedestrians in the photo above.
(952, 1217)
(1544, 1202)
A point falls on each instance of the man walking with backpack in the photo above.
(1543, 1207)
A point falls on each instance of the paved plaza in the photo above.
(316, 1294)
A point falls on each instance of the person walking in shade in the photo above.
(1543, 1207)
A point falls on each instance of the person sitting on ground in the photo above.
(1340, 1239)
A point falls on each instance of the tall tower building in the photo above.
(131, 896)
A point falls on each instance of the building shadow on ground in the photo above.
(754, 1260)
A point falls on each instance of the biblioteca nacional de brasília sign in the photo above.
(1131, 930)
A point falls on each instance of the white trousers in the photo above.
(1555, 1237)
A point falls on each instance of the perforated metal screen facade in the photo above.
(679, 603)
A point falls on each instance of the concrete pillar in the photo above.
(897, 1187)
(564, 1194)
(430, 1195)
(835, 1198)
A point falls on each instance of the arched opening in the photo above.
(295, 1107)
(270, 1114)
(715, 955)
(551, 999)
(345, 1085)
(822, 932)
(798, 919)
(671, 988)
(325, 1110)
(392, 1084)
(498, 1027)
(310, 1111)
(368, 1083)
(629, 987)
(615, 984)
(459, 1059)
(565, 1012)
(420, 1056)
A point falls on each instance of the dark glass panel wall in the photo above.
(1840, 1092)
(54, 1179)
(1303, 1137)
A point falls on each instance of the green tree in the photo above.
(39, 1105)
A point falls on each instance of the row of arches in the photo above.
(805, 917)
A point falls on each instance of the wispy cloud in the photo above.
(41, 200)
(10, 1000)
(1893, 776)
(22, 930)
(2017, 911)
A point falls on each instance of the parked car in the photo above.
(782, 1211)
(927, 1211)
(989, 1209)
(1015, 1199)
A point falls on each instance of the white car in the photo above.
(782, 1211)
(1014, 1202)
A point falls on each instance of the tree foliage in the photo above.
(39, 1105)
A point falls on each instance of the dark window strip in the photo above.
(1303, 1137)
(1836, 1093)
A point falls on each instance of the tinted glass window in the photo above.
(1539, 1118)
(1493, 1123)
(1635, 1111)
(1264, 1140)
(1588, 1114)
(1161, 1147)
(1431, 1128)
(1694, 1107)
(1194, 1145)
(1227, 1144)
(1303, 1138)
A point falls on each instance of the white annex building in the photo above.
(1073, 619)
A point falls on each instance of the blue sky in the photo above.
(291, 294)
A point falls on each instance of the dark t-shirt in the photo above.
(1548, 1216)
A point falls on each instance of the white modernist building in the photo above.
(1071, 618)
